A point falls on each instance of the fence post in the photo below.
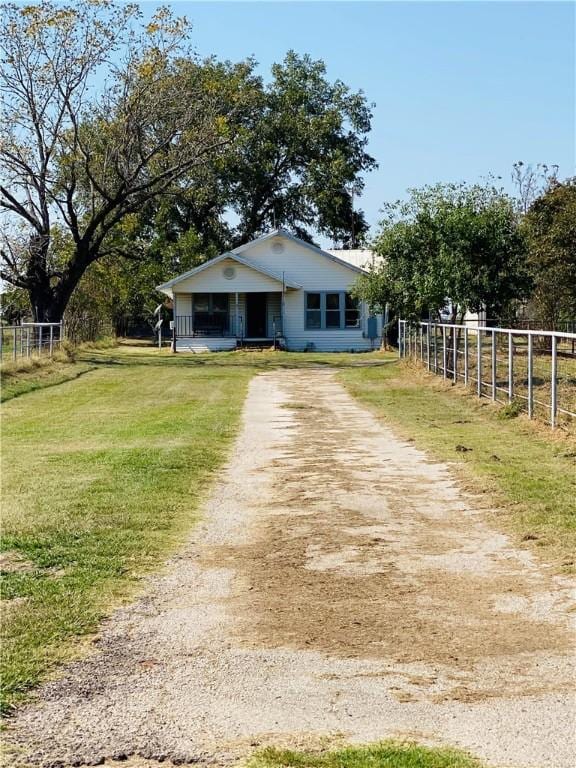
(493, 364)
(400, 322)
(428, 345)
(455, 354)
(530, 374)
(444, 351)
(27, 342)
(421, 342)
(435, 348)
(466, 356)
(39, 339)
(14, 347)
(51, 339)
(554, 391)
(21, 341)
(510, 368)
(479, 362)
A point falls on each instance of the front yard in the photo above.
(103, 476)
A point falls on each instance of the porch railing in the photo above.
(209, 325)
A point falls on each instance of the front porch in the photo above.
(223, 321)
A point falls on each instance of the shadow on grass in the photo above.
(260, 361)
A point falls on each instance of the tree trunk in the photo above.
(49, 302)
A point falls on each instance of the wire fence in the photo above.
(29, 340)
(534, 369)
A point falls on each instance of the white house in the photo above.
(275, 288)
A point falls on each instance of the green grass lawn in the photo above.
(526, 471)
(388, 754)
(102, 476)
(104, 468)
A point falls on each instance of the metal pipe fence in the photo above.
(534, 369)
(29, 340)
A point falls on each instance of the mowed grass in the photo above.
(104, 473)
(102, 477)
(387, 754)
(527, 473)
(38, 374)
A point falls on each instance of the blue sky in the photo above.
(462, 89)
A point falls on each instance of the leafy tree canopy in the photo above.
(454, 242)
(170, 150)
(550, 229)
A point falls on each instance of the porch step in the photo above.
(256, 344)
(200, 344)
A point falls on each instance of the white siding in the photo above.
(300, 265)
(299, 337)
(212, 280)
(314, 272)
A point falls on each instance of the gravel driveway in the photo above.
(340, 587)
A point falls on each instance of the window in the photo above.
(201, 302)
(210, 313)
(331, 310)
(313, 310)
(351, 312)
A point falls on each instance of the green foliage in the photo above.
(301, 155)
(114, 487)
(511, 410)
(387, 754)
(150, 167)
(454, 242)
(550, 229)
(78, 164)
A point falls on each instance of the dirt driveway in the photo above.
(341, 586)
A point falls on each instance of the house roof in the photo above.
(359, 257)
(283, 233)
(165, 287)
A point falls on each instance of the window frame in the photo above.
(341, 309)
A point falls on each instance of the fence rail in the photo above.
(535, 369)
(29, 339)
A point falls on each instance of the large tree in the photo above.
(297, 162)
(455, 243)
(301, 158)
(79, 159)
(550, 228)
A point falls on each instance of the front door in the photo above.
(256, 316)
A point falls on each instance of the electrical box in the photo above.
(372, 327)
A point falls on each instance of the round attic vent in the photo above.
(278, 246)
(229, 272)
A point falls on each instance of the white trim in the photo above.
(290, 236)
(164, 287)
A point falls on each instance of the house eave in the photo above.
(167, 288)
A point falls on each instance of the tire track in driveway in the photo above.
(341, 583)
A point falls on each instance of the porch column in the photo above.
(282, 307)
(236, 322)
